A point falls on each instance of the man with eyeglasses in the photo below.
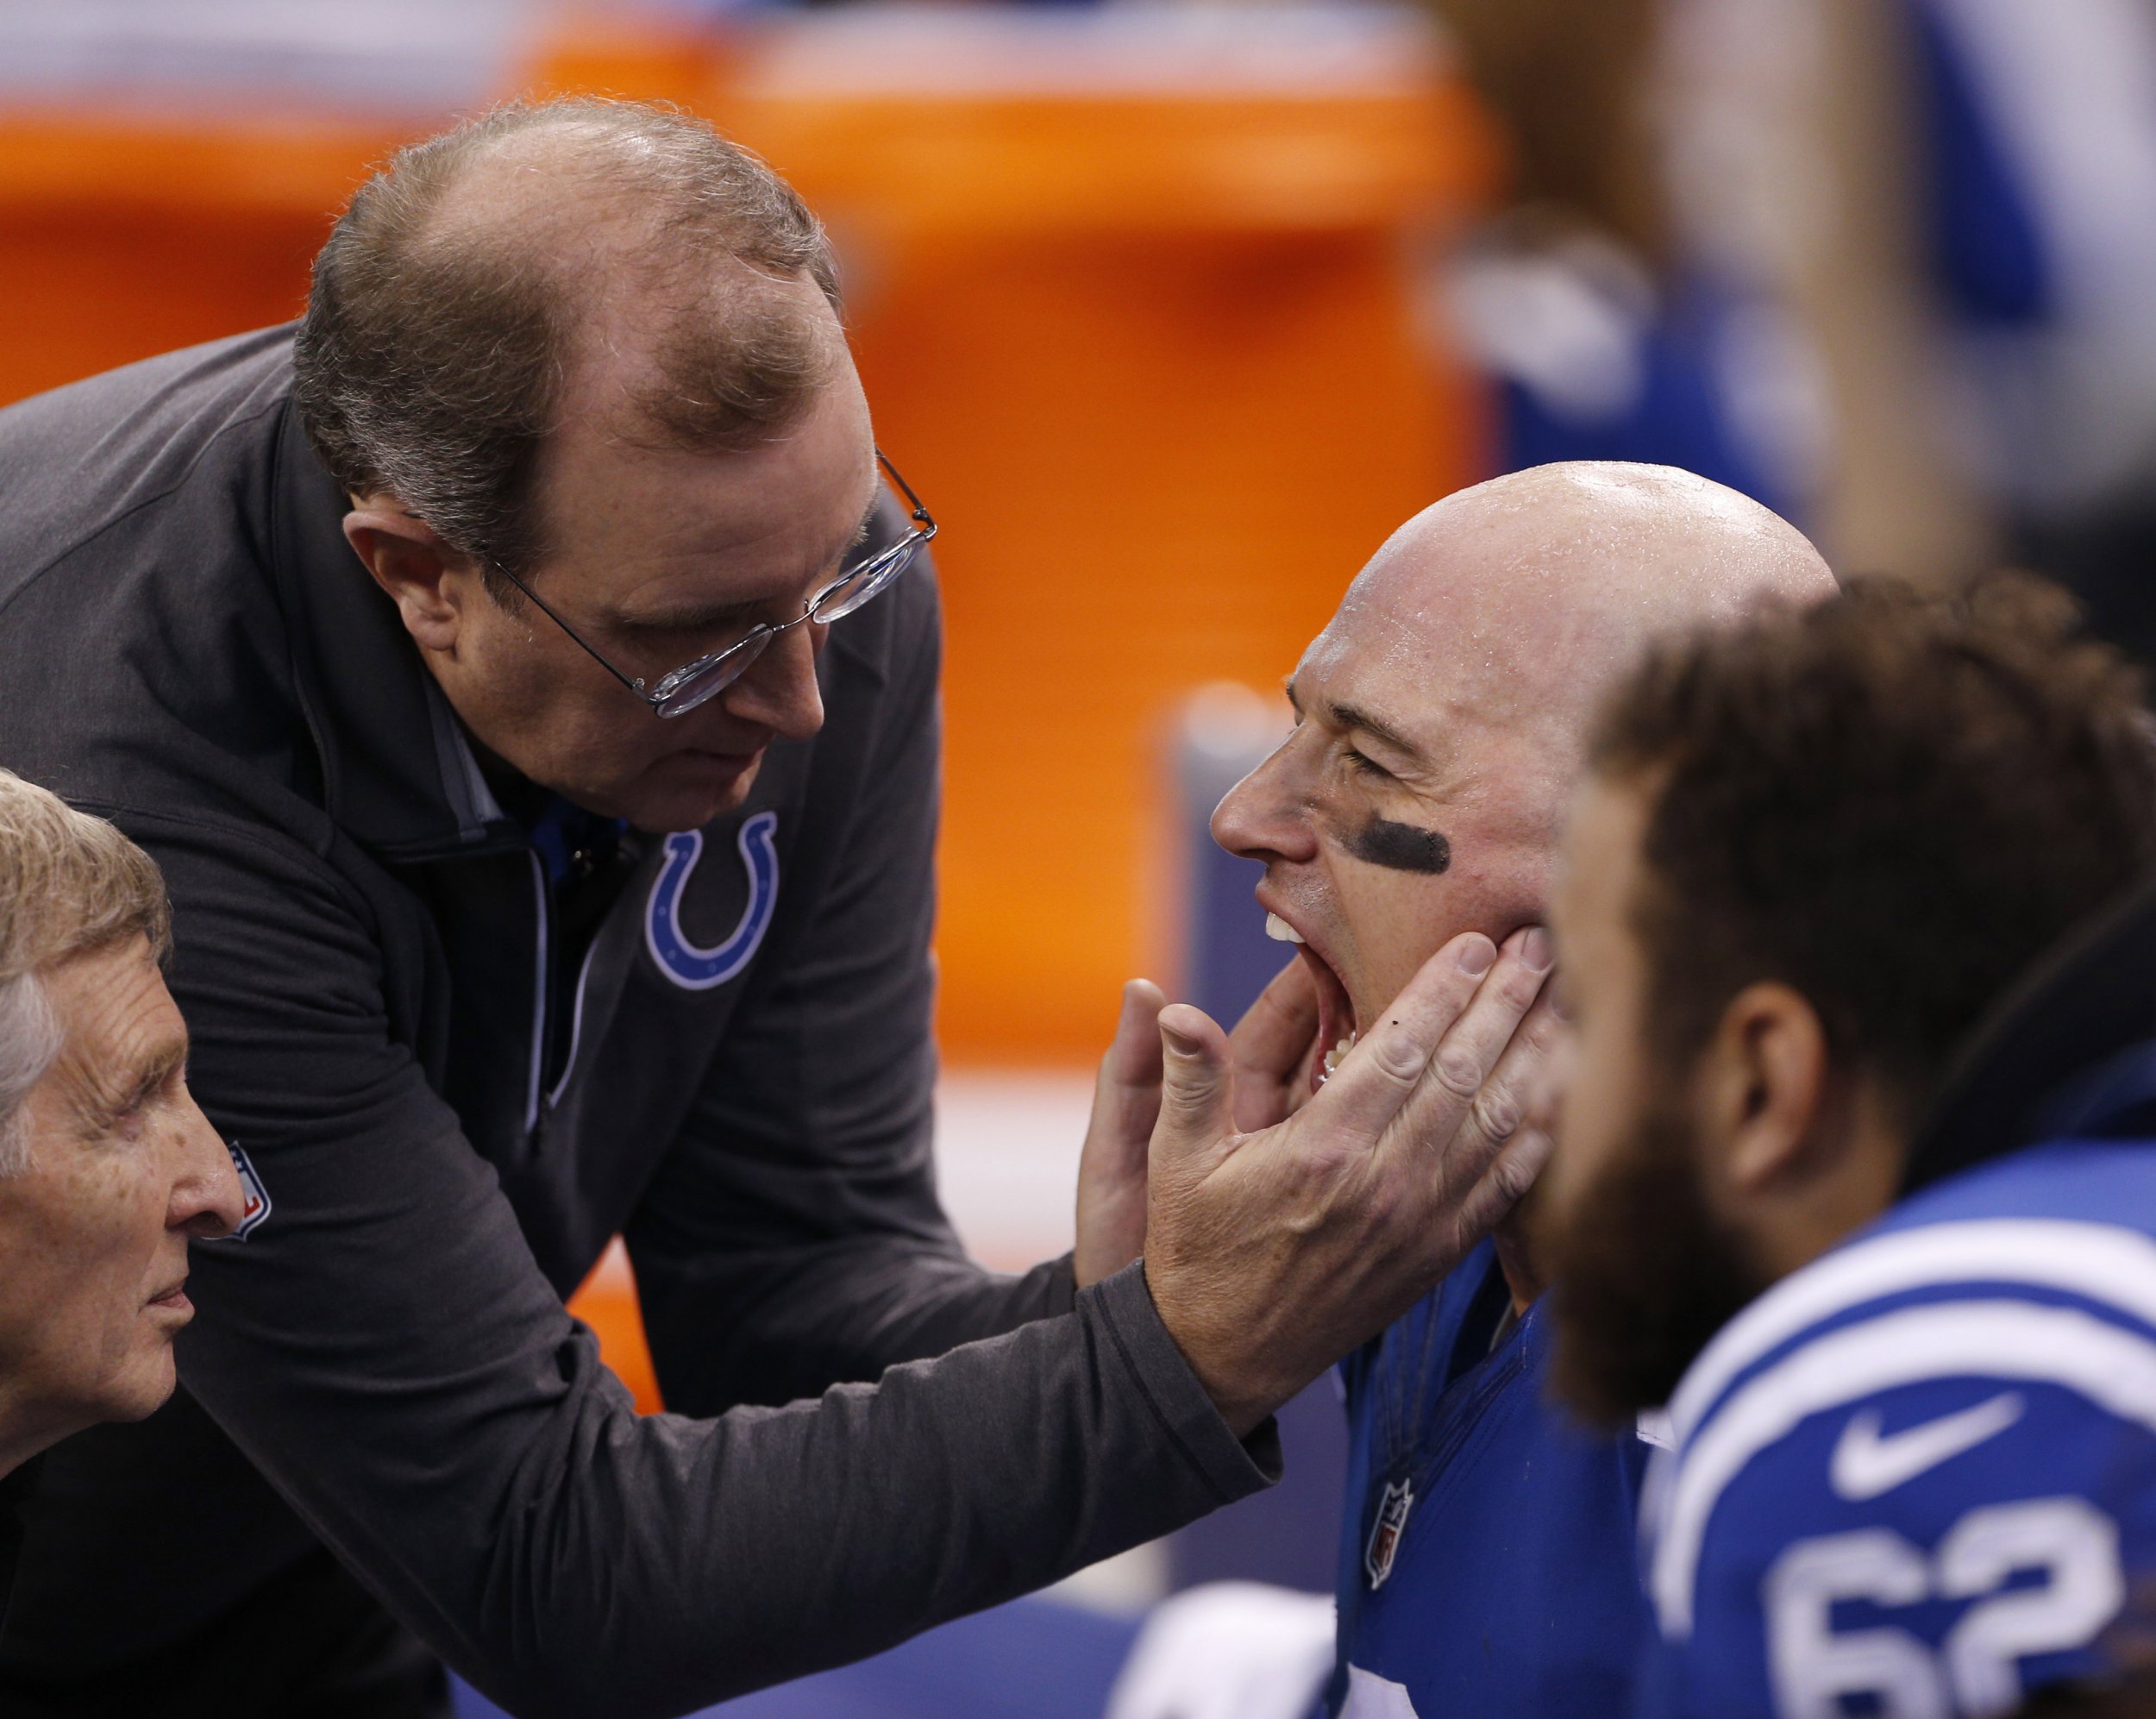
(571, 875)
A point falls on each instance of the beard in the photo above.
(1643, 1276)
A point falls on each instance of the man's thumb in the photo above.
(1195, 1107)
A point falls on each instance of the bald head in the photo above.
(1524, 596)
(1444, 707)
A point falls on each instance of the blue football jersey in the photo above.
(1918, 1478)
(1487, 1560)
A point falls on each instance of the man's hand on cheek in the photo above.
(1271, 1047)
(1271, 1254)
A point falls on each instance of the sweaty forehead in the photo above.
(1519, 598)
(1427, 647)
(1379, 678)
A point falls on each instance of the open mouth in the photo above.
(1337, 1029)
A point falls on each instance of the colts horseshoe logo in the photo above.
(695, 969)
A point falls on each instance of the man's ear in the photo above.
(1762, 1086)
(427, 579)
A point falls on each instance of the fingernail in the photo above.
(1475, 954)
(1180, 1046)
(1534, 948)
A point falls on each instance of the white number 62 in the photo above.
(1973, 1673)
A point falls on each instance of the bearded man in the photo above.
(1855, 1167)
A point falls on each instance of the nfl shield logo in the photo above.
(254, 1204)
(1385, 1532)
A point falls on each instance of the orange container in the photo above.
(126, 236)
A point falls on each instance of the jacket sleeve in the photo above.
(792, 1239)
(385, 1350)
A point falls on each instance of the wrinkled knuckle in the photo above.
(1459, 1071)
(1508, 1180)
(1188, 1096)
(1497, 1113)
(1515, 1174)
(1398, 1056)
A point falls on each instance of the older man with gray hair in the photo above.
(107, 1168)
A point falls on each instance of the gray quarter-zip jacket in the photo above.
(383, 1365)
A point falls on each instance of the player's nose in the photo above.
(1261, 819)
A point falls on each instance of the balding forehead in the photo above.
(573, 198)
(1607, 506)
(542, 167)
(1585, 531)
(1529, 590)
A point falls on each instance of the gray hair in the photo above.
(69, 884)
(443, 331)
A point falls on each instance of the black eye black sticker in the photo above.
(1403, 847)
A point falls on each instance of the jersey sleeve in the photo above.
(1930, 1507)
(385, 1350)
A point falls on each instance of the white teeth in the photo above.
(1280, 931)
(1337, 1054)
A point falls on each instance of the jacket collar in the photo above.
(398, 773)
(2068, 1051)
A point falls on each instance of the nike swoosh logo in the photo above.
(1866, 1465)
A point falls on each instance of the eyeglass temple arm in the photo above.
(635, 685)
(920, 514)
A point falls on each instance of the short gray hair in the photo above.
(437, 343)
(69, 884)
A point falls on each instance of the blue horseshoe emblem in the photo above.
(692, 967)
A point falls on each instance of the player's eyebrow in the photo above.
(1358, 718)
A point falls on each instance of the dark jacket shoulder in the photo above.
(136, 595)
(78, 461)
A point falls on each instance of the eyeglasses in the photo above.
(681, 690)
